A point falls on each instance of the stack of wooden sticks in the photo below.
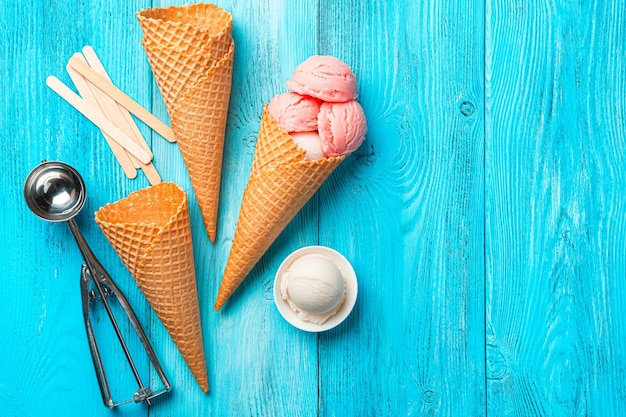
(110, 109)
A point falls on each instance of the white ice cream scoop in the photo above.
(315, 288)
(310, 143)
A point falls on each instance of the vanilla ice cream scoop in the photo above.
(314, 287)
(310, 143)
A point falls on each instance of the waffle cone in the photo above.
(185, 27)
(150, 232)
(281, 182)
(176, 70)
(199, 123)
(190, 50)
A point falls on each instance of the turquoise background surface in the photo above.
(485, 214)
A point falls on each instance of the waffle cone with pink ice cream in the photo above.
(304, 135)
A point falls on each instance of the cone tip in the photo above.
(204, 386)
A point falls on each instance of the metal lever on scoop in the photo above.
(55, 192)
(106, 288)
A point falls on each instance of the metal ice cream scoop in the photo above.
(55, 191)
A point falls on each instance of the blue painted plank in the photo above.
(555, 207)
(253, 356)
(527, 195)
(406, 209)
(46, 367)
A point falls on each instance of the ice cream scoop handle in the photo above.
(100, 275)
(85, 278)
(106, 287)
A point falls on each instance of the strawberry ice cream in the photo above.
(283, 177)
(324, 77)
(294, 112)
(322, 108)
(342, 127)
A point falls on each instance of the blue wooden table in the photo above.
(485, 214)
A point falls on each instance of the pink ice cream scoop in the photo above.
(294, 112)
(342, 127)
(324, 77)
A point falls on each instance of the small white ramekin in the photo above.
(351, 289)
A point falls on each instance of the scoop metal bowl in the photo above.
(55, 191)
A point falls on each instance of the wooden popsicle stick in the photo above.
(119, 114)
(121, 97)
(109, 107)
(96, 117)
(89, 56)
(120, 153)
(151, 173)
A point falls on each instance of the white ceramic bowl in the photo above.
(351, 289)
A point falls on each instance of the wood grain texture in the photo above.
(484, 214)
(46, 364)
(414, 345)
(555, 206)
(253, 356)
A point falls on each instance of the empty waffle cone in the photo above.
(199, 123)
(182, 43)
(191, 50)
(184, 27)
(281, 182)
(176, 70)
(150, 232)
